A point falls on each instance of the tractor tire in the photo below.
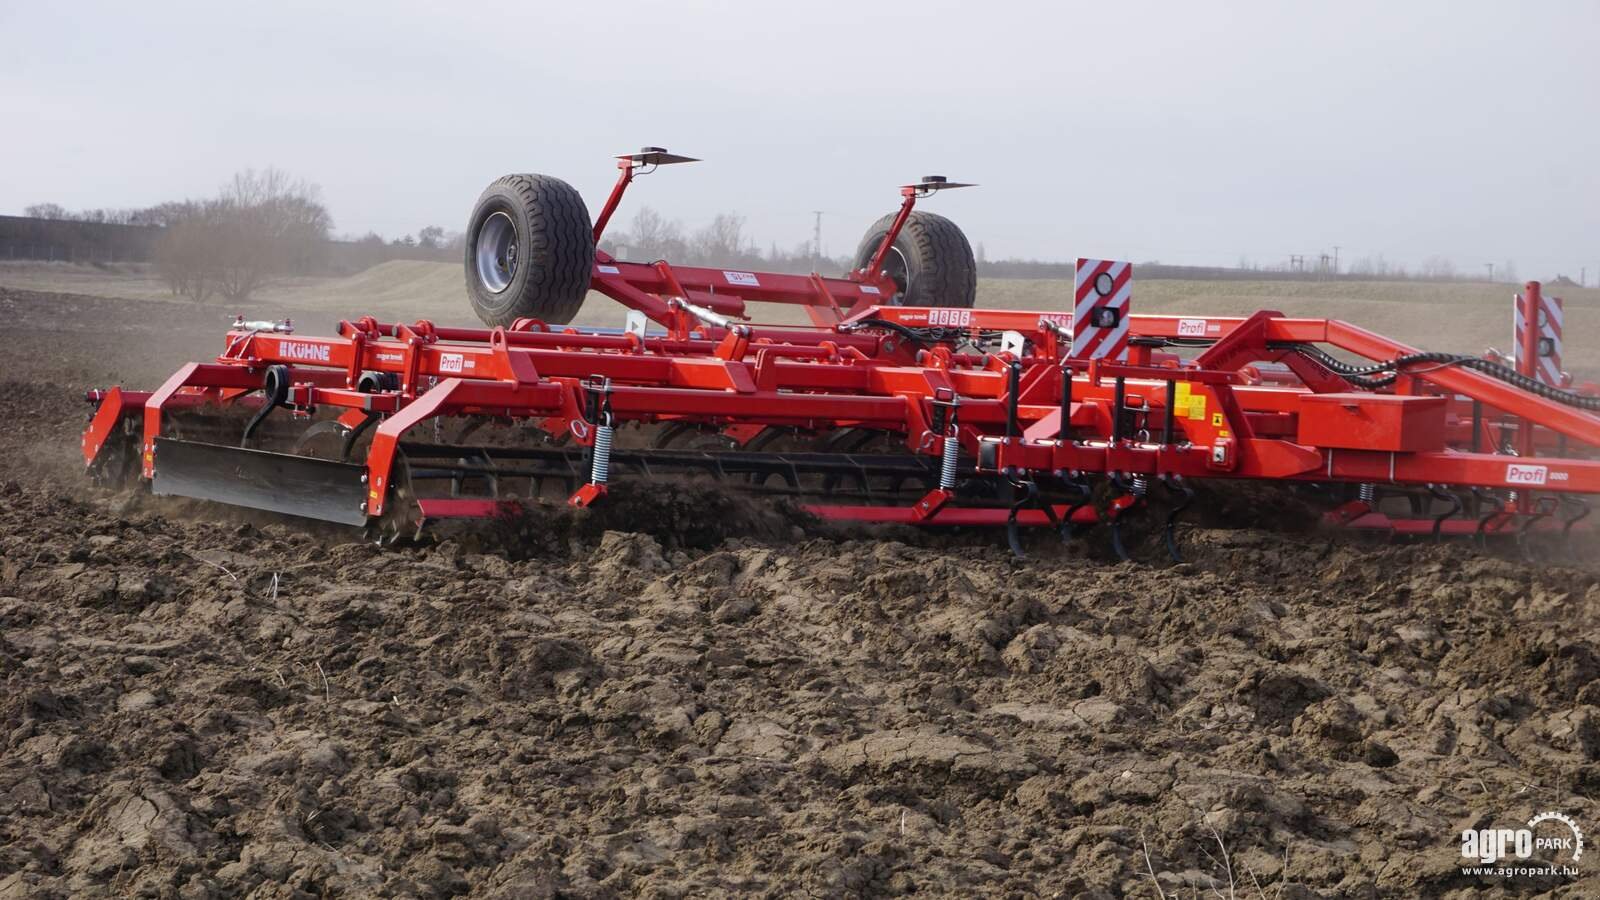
(530, 251)
(931, 261)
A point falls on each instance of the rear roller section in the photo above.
(402, 518)
(529, 251)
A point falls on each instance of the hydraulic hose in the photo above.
(1388, 371)
(926, 336)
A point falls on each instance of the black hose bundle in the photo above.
(904, 331)
(926, 336)
(1387, 372)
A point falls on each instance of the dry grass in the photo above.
(1461, 318)
(1466, 317)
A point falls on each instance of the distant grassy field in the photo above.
(1456, 317)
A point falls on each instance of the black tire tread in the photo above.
(945, 269)
(557, 252)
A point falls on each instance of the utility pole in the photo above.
(1583, 276)
(1335, 259)
(1490, 267)
(816, 237)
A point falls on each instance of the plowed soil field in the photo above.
(700, 701)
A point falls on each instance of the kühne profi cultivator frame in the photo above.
(900, 403)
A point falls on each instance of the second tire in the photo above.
(931, 261)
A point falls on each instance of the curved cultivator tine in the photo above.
(1117, 546)
(1455, 509)
(1481, 535)
(276, 389)
(1185, 496)
(1543, 508)
(1582, 512)
(1021, 493)
(1131, 496)
(1025, 493)
(1085, 493)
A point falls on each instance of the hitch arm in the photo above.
(613, 201)
(876, 266)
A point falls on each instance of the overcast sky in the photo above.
(1184, 132)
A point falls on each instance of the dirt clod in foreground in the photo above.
(202, 705)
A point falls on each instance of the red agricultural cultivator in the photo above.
(898, 403)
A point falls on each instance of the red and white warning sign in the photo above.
(1545, 364)
(1102, 301)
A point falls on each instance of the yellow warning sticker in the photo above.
(1216, 420)
(1189, 404)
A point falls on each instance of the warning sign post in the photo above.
(1103, 291)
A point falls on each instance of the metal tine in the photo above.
(1116, 541)
(276, 388)
(1174, 484)
(1022, 492)
(1542, 509)
(1566, 526)
(1085, 497)
(1455, 508)
(1025, 493)
(1115, 523)
(1481, 536)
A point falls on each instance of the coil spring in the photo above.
(947, 462)
(1140, 485)
(1368, 493)
(602, 454)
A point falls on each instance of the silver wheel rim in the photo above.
(495, 250)
(895, 266)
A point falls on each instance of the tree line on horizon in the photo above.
(260, 227)
(266, 225)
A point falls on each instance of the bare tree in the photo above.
(264, 225)
(722, 242)
(652, 236)
(1439, 268)
(101, 216)
(166, 214)
(186, 254)
(271, 225)
(46, 211)
(431, 237)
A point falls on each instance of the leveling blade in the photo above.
(275, 482)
